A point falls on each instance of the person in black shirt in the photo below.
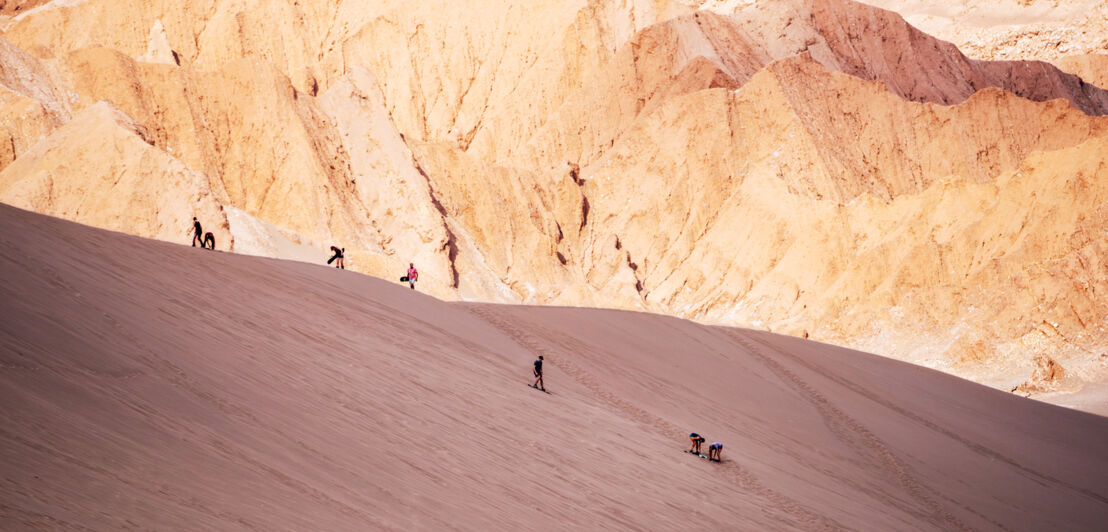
(197, 233)
(538, 375)
(337, 257)
(209, 240)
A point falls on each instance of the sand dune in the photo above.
(150, 385)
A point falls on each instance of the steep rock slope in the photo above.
(1093, 68)
(156, 386)
(260, 148)
(955, 260)
(30, 104)
(136, 188)
(127, 185)
(706, 50)
(1011, 29)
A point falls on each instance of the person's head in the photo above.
(194, 218)
(540, 357)
(411, 265)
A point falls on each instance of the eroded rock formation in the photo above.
(1011, 29)
(1049, 376)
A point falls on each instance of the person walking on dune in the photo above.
(337, 258)
(538, 375)
(413, 276)
(209, 240)
(197, 233)
(696, 441)
(714, 451)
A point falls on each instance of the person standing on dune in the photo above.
(538, 375)
(197, 232)
(413, 276)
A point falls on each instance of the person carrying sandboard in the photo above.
(337, 258)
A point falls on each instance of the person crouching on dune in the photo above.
(696, 441)
(337, 257)
(714, 451)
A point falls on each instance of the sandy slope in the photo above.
(150, 385)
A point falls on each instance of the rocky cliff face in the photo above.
(816, 167)
(1011, 29)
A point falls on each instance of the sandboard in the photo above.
(700, 455)
(404, 279)
(537, 388)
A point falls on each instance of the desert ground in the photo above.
(859, 243)
(150, 385)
